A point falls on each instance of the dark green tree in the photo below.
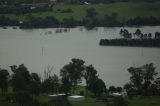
(136, 77)
(98, 87)
(56, 83)
(142, 78)
(4, 76)
(35, 84)
(119, 89)
(73, 71)
(66, 85)
(148, 75)
(90, 74)
(48, 85)
(21, 78)
(90, 20)
(112, 89)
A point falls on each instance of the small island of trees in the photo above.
(137, 39)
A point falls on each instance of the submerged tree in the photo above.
(138, 33)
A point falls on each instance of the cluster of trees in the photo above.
(134, 39)
(27, 86)
(131, 42)
(73, 73)
(143, 81)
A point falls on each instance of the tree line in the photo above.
(90, 21)
(27, 86)
(133, 39)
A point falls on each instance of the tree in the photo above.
(110, 20)
(73, 72)
(138, 33)
(125, 34)
(148, 74)
(48, 85)
(98, 87)
(128, 86)
(56, 83)
(35, 84)
(66, 85)
(91, 13)
(91, 21)
(4, 75)
(112, 89)
(20, 78)
(157, 83)
(90, 74)
(136, 77)
(119, 89)
(157, 35)
(142, 77)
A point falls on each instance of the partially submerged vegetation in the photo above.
(137, 39)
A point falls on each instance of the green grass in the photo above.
(135, 101)
(125, 10)
(145, 101)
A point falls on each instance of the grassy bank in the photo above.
(135, 101)
(125, 10)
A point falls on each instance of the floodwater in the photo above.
(39, 49)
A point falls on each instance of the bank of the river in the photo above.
(125, 10)
(70, 15)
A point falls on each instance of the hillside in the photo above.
(125, 10)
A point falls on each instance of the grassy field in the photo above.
(125, 11)
(135, 101)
